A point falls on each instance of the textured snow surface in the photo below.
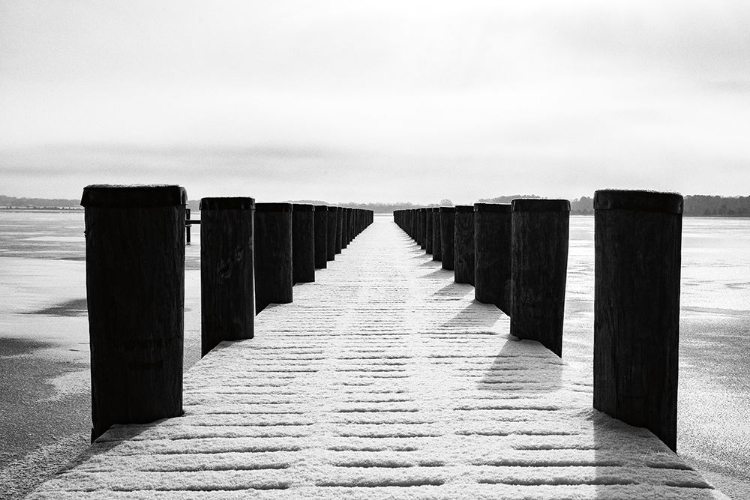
(384, 379)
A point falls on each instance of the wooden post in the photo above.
(273, 254)
(345, 228)
(135, 286)
(423, 228)
(539, 256)
(303, 243)
(428, 230)
(352, 224)
(332, 233)
(321, 236)
(413, 224)
(339, 229)
(492, 260)
(637, 308)
(464, 244)
(227, 271)
(187, 226)
(447, 217)
(437, 241)
(418, 227)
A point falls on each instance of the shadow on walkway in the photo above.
(475, 315)
(515, 371)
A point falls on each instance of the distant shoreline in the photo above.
(572, 212)
(40, 209)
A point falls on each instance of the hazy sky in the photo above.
(358, 100)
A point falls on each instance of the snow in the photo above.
(384, 379)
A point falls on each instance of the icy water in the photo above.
(44, 341)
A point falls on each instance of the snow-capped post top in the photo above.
(492, 207)
(273, 207)
(227, 203)
(143, 196)
(642, 201)
(539, 205)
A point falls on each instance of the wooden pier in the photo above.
(383, 379)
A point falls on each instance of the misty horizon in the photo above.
(374, 100)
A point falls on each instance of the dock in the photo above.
(383, 379)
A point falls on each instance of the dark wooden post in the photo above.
(352, 224)
(447, 217)
(321, 236)
(303, 243)
(413, 224)
(637, 308)
(273, 254)
(464, 244)
(187, 226)
(437, 242)
(345, 228)
(428, 230)
(135, 286)
(339, 229)
(227, 271)
(492, 258)
(332, 233)
(539, 257)
(423, 228)
(418, 227)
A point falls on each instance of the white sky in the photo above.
(375, 100)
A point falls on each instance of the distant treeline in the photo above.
(11, 202)
(705, 205)
(695, 205)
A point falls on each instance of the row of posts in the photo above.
(515, 255)
(251, 256)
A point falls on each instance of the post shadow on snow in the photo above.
(111, 439)
(513, 366)
(430, 263)
(611, 439)
(474, 314)
(69, 308)
(438, 273)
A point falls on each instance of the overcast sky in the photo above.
(375, 100)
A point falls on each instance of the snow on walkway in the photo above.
(384, 379)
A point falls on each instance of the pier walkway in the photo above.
(384, 379)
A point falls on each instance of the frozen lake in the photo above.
(44, 339)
